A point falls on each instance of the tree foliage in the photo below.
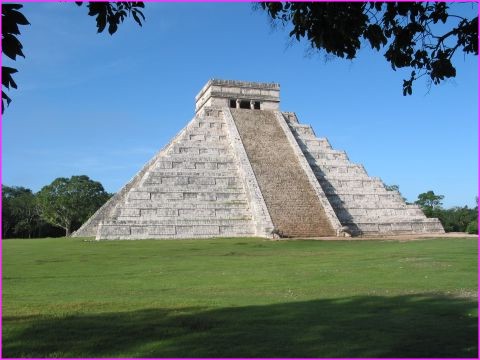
(24, 213)
(392, 188)
(19, 212)
(397, 189)
(22, 210)
(111, 13)
(66, 202)
(413, 34)
(472, 227)
(455, 219)
(114, 13)
(11, 46)
(429, 202)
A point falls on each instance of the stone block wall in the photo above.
(361, 203)
(193, 190)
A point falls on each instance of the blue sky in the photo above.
(103, 105)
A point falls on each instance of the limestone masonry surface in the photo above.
(243, 168)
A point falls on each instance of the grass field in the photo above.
(239, 298)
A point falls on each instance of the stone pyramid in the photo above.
(242, 167)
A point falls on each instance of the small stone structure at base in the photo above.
(242, 167)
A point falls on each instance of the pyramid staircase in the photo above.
(290, 197)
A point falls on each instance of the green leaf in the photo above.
(11, 46)
(7, 99)
(136, 18)
(112, 28)
(19, 18)
(101, 23)
(139, 12)
(7, 7)
(7, 79)
(9, 26)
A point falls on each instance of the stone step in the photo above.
(180, 166)
(183, 213)
(304, 132)
(206, 130)
(347, 194)
(364, 204)
(185, 196)
(190, 188)
(202, 172)
(201, 140)
(354, 189)
(325, 155)
(167, 231)
(290, 117)
(343, 182)
(370, 200)
(210, 124)
(413, 206)
(336, 171)
(377, 220)
(182, 222)
(315, 144)
(211, 112)
(187, 204)
(320, 163)
(183, 157)
(376, 212)
(354, 182)
(346, 217)
(210, 218)
(398, 228)
(193, 150)
(298, 125)
(204, 138)
(186, 180)
(335, 178)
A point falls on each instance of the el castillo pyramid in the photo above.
(242, 167)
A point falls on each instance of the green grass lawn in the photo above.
(239, 298)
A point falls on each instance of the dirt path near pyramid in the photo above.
(290, 198)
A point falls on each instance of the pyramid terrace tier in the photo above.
(238, 94)
(361, 203)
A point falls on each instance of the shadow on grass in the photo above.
(368, 326)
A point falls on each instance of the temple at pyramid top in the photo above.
(239, 95)
(242, 167)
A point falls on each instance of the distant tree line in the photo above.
(455, 219)
(64, 205)
(56, 210)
